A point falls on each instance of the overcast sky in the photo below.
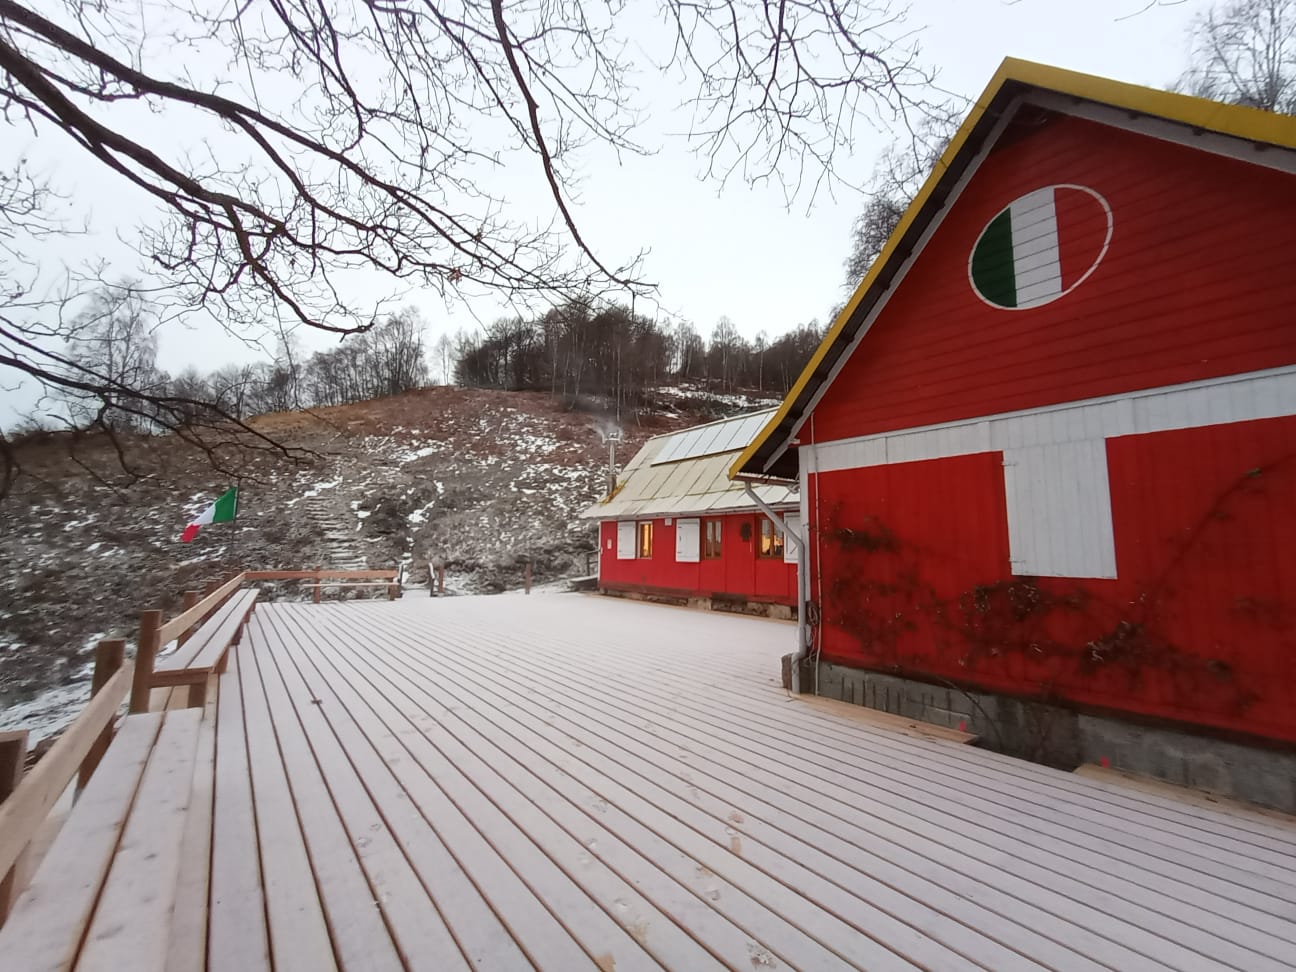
(739, 252)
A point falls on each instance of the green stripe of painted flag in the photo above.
(992, 262)
(223, 509)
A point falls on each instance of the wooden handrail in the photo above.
(185, 620)
(30, 803)
(78, 750)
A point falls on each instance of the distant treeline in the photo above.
(576, 352)
(612, 353)
(386, 360)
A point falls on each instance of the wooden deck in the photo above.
(570, 782)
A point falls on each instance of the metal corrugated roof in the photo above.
(688, 472)
(726, 435)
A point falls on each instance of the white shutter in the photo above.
(1059, 510)
(793, 521)
(688, 541)
(626, 540)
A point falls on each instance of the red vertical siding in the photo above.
(1199, 627)
(738, 572)
(1196, 284)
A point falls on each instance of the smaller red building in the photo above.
(677, 527)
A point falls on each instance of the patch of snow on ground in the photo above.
(48, 713)
(411, 455)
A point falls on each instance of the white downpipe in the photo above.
(803, 583)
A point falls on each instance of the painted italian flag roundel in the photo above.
(1041, 247)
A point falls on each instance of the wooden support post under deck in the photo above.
(13, 754)
(191, 598)
(150, 622)
(109, 656)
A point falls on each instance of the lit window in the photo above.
(645, 539)
(711, 541)
(771, 540)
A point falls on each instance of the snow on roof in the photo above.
(687, 472)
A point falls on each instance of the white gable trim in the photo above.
(1268, 156)
(1055, 529)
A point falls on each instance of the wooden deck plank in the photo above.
(1170, 799)
(1212, 905)
(477, 634)
(1040, 795)
(733, 816)
(524, 892)
(299, 935)
(45, 928)
(187, 945)
(1213, 885)
(130, 927)
(237, 940)
(413, 922)
(943, 890)
(600, 827)
(721, 663)
(662, 933)
(834, 931)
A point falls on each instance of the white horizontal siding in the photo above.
(1238, 398)
(1055, 458)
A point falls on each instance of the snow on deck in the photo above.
(566, 782)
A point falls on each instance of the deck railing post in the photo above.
(440, 578)
(527, 577)
(150, 623)
(190, 599)
(319, 582)
(13, 755)
(109, 656)
(210, 588)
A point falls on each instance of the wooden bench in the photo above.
(103, 893)
(204, 653)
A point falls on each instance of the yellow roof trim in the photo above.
(1239, 121)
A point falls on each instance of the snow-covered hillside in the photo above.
(481, 480)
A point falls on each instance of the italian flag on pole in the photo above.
(222, 511)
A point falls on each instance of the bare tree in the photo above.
(443, 349)
(331, 139)
(115, 341)
(1244, 52)
(897, 177)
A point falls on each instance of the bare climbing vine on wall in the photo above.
(880, 590)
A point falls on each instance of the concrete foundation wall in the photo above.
(1065, 738)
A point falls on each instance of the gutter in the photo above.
(803, 584)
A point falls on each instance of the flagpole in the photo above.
(238, 501)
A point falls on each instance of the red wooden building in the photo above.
(677, 527)
(1048, 449)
